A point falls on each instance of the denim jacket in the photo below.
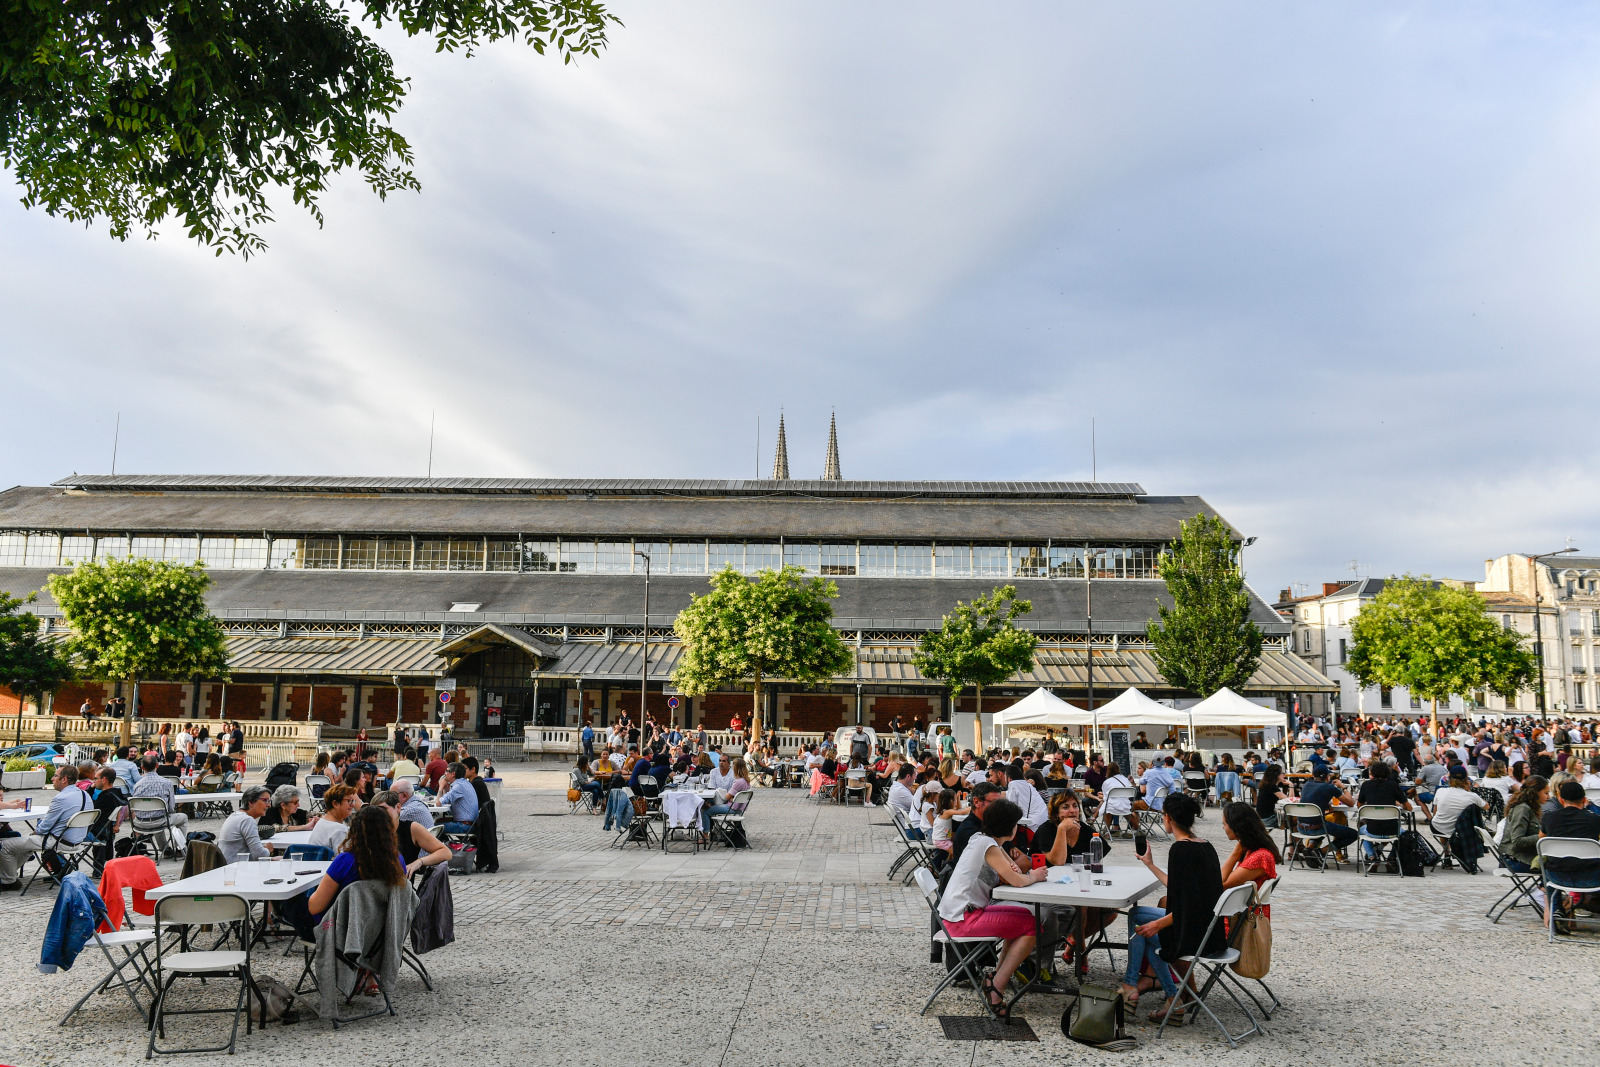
(78, 910)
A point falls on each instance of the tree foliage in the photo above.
(978, 644)
(136, 110)
(1435, 640)
(134, 619)
(1206, 641)
(30, 665)
(778, 625)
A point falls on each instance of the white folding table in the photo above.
(284, 838)
(18, 815)
(1120, 887)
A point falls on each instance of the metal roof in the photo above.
(376, 656)
(269, 483)
(491, 634)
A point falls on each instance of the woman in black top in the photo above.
(1194, 885)
(1267, 793)
(418, 847)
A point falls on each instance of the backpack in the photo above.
(1413, 853)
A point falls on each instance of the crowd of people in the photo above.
(669, 756)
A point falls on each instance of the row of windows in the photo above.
(585, 556)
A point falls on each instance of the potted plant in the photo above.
(23, 773)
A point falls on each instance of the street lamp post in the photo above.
(644, 667)
(1538, 632)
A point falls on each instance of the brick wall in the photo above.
(416, 705)
(377, 705)
(244, 702)
(717, 709)
(70, 697)
(991, 704)
(816, 711)
(910, 709)
(163, 700)
(628, 704)
(9, 704)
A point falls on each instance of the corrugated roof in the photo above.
(377, 656)
(619, 660)
(491, 634)
(267, 483)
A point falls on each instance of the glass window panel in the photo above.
(913, 561)
(802, 554)
(614, 557)
(285, 553)
(577, 556)
(360, 554)
(249, 553)
(839, 559)
(688, 557)
(1141, 561)
(182, 549)
(952, 561)
(990, 561)
(762, 556)
(13, 547)
(111, 548)
(877, 561)
(724, 554)
(503, 555)
(660, 557)
(319, 553)
(433, 555)
(1101, 563)
(1066, 561)
(148, 548)
(44, 550)
(1028, 561)
(217, 552)
(77, 549)
(466, 555)
(394, 554)
(539, 556)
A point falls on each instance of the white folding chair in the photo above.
(1523, 884)
(586, 798)
(856, 782)
(68, 856)
(1592, 792)
(968, 952)
(1150, 818)
(1113, 795)
(681, 817)
(915, 851)
(314, 782)
(724, 822)
(1577, 848)
(133, 944)
(1214, 969)
(1263, 897)
(1197, 785)
(192, 911)
(1371, 813)
(1304, 840)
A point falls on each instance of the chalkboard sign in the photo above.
(1121, 753)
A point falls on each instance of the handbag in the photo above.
(1095, 1018)
(573, 795)
(1255, 947)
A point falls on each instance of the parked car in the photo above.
(38, 751)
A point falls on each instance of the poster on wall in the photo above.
(494, 716)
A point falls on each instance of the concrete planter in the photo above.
(34, 779)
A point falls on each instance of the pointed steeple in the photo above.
(780, 458)
(830, 466)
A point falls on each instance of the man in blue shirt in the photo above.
(587, 736)
(126, 769)
(69, 800)
(1323, 793)
(1156, 784)
(461, 798)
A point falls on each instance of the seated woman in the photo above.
(418, 847)
(1519, 841)
(1271, 789)
(588, 782)
(1225, 786)
(1122, 807)
(1497, 778)
(738, 782)
(285, 813)
(1063, 836)
(1254, 857)
(947, 809)
(965, 907)
(369, 851)
(1160, 936)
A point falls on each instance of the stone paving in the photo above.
(800, 951)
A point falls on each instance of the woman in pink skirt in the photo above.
(965, 907)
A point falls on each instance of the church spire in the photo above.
(780, 458)
(830, 466)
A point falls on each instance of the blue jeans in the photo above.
(708, 810)
(1142, 950)
(456, 828)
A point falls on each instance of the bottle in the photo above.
(1096, 850)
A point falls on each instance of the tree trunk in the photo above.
(1436, 721)
(977, 725)
(756, 725)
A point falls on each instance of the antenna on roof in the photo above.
(432, 418)
(116, 436)
(758, 444)
(1094, 464)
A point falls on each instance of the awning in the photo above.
(492, 635)
(1277, 672)
(607, 662)
(1227, 708)
(1042, 708)
(342, 657)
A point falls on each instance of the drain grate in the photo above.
(983, 1028)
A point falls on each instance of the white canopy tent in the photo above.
(1042, 708)
(1134, 708)
(1227, 708)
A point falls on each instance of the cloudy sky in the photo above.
(1332, 268)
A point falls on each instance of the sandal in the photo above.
(1002, 1010)
(1130, 995)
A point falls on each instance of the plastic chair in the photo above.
(69, 856)
(1365, 814)
(1233, 902)
(134, 944)
(856, 782)
(723, 822)
(688, 822)
(1116, 793)
(1303, 840)
(191, 911)
(916, 851)
(1523, 884)
(1578, 848)
(586, 798)
(308, 853)
(969, 951)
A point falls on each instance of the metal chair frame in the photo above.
(1233, 902)
(1375, 813)
(586, 799)
(187, 912)
(1566, 848)
(915, 850)
(1523, 883)
(1119, 792)
(723, 821)
(70, 856)
(969, 951)
(1300, 841)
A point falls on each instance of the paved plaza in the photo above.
(799, 951)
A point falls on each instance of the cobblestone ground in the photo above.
(799, 951)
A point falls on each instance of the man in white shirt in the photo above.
(979, 772)
(1450, 802)
(1021, 792)
(901, 798)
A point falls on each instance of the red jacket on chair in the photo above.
(133, 872)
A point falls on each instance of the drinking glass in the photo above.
(230, 874)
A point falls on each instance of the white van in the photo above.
(841, 739)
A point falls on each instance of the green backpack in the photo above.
(1095, 1018)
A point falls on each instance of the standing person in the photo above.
(164, 739)
(236, 740)
(586, 737)
(899, 732)
(361, 743)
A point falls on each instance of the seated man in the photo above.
(1381, 788)
(411, 806)
(1448, 803)
(461, 798)
(1323, 794)
(1154, 786)
(240, 838)
(69, 801)
(152, 784)
(405, 766)
(901, 798)
(1569, 820)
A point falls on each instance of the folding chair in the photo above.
(1149, 818)
(915, 851)
(855, 781)
(1263, 897)
(1593, 793)
(414, 779)
(1577, 848)
(68, 856)
(681, 817)
(1369, 813)
(723, 822)
(638, 830)
(1523, 883)
(1197, 785)
(316, 785)
(151, 825)
(1112, 795)
(1233, 902)
(133, 943)
(586, 799)
(1303, 838)
(969, 952)
(190, 911)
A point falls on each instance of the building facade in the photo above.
(355, 602)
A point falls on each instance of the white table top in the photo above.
(19, 815)
(249, 882)
(206, 798)
(703, 794)
(1128, 885)
(285, 838)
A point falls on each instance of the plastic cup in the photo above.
(230, 874)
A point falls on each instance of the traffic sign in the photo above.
(672, 702)
(444, 696)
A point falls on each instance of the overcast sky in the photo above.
(1331, 267)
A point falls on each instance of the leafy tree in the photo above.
(1206, 640)
(1435, 640)
(978, 644)
(779, 625)
(29, 664)
(134, 619)
(134, 110)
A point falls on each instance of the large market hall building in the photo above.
(350, 600)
